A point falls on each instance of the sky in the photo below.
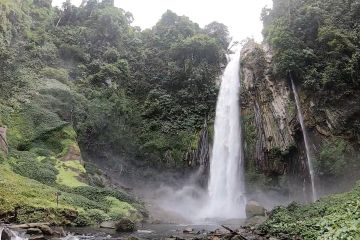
(241, 16)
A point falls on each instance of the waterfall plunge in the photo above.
(226, 185)
(306, 140)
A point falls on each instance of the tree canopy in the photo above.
(138, 94)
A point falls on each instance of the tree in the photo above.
(220, 32)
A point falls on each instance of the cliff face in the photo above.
(274, 146)
(265, 105)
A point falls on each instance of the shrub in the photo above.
(333, 217)
(25, 164)
(81, 202)
(99, 194)
(83, 219)
(59, 74)
(97, 215)
(73, 52)
(2, 157)
(332, 157)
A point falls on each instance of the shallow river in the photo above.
(153, 231)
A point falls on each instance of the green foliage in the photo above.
(219, 32)
(137, 95)
(317, 41)
(29, 123)
(36, 202)
(332, 157)
(118, 209)
(26, 164)
(68, 176)
(256, 60)
(2, 157)
(99, 194)
(55, 73)
(334, 217)
(196, 49)
(116, 84)
(97, 215)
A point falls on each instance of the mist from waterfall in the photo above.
(306, 140)
(224, 199)
(226, 184)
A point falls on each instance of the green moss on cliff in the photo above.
(30, 123)
(36, 202)
(49, 162)
(69, 176)
(331, 158)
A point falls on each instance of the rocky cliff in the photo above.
(274, 145)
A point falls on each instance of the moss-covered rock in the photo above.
(45, 164)
(26, 200)
(125, 225)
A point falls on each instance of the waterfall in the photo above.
(306, 140)
(226, 185)
(11, 234)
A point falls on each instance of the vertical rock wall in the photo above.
(267, 107)
(3, 141)
(274, 148)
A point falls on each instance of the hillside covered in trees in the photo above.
(83, 90)
(80, 83)
(316, 43)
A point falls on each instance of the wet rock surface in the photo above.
(254, 208)
(224, 233)
(108, 224)
(33, 231)
(125, 225)
(6, 234)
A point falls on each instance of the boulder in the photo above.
(188, 230)
(59, 232)
(254, 208)
(255, 221)
(33, 231)
(125, 225)
(46, 230)
(108, 224)
(37, 237)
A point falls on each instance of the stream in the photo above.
(156, 231)
(147, 231)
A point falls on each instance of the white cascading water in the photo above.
(306, 141)
(226, 185)
(13, 235)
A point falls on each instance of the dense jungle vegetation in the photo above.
(82, 83)
(84, 78)
(138, 94)
(317, 42)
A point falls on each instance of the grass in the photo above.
(76, 165)
(118, 209)
(18, 190)
(36, 202)
(40, 166)
(69, 173)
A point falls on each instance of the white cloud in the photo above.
(241, 16)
